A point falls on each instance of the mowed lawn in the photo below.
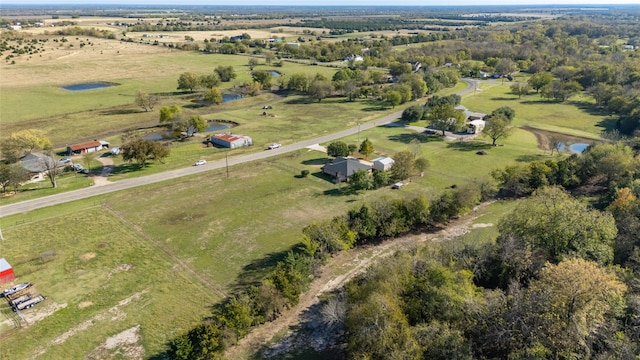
(577, 116)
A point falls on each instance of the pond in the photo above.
(230, 97)
(213, 126)
(275, 73)
(87, 86)
(576, 148)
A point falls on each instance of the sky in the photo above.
(324, 2)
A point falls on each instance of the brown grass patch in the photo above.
(88, 256)
(84, 304)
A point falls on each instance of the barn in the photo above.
(6, 272)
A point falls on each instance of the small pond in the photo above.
(275, 73)
(576, 148)
(87, 86)
(230, 97)
(213, 126)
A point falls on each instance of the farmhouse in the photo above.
(382, 163)
(230, 140)
(6, 272)
(38, 165)
(87, 147)
(343, 167)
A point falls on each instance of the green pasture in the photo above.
(68, 115)
(577, 116)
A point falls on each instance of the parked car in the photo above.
(274, 146)
(65, 161)
(78, 167)
(200, 162)
(397, 185)
(115, 150)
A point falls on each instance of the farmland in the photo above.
(145, 265)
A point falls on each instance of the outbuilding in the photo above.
(231, 141)
(383, 163)
(87, 147)
(6, 272)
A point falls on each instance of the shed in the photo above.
(383, 163)
(230, 140)
(6, 272)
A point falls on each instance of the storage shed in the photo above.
(383, 163)
(231, 141)
(6, 272)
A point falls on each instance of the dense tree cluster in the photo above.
(560, 281)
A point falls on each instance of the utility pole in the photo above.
(227, 162)
(358, 133)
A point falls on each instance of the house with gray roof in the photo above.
(38, 165)
(343, 167)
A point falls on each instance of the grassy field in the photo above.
(577, 116)
(32, 96)
(211, 224)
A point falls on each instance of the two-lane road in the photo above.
(28, 205)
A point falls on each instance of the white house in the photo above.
(382, 163)
(476, 126)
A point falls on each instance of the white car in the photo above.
(115, 150)
(274, 146)
(200, 162)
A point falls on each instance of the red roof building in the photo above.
(90, 146)
(6, 272)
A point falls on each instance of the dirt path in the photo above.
(107, 165)
(337, 272)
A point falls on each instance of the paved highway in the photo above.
(28, 205)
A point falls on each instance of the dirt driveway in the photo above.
(107, 165)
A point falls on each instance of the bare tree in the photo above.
(51, 168)
(146, 101)
(88, 158)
